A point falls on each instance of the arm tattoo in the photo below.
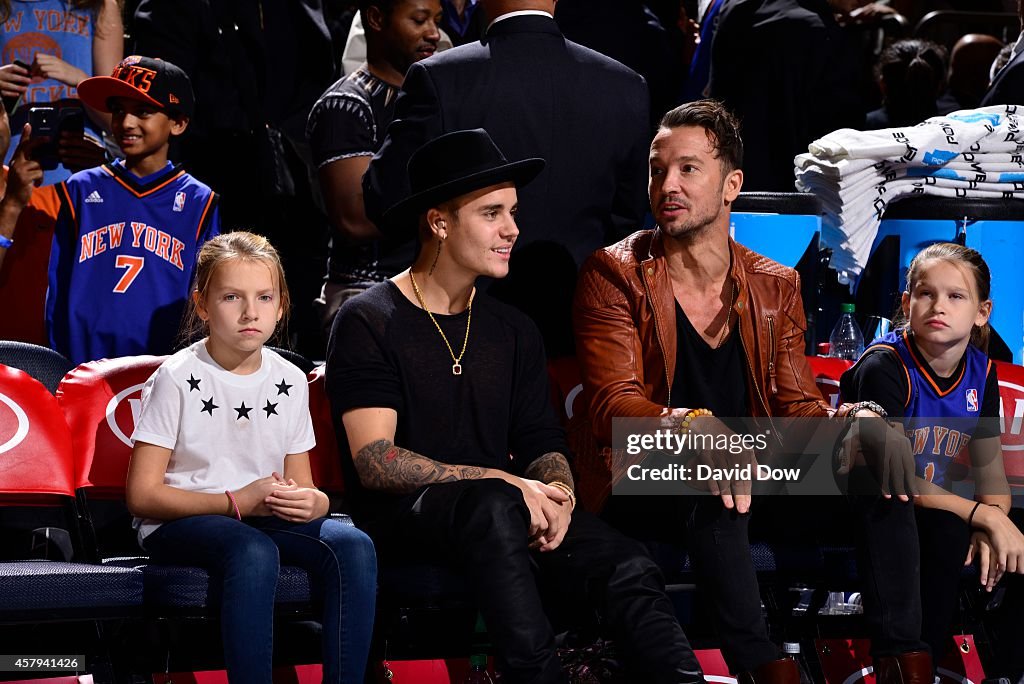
(382, 466)
(550, 467)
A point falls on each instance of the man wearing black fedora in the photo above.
(452, 448)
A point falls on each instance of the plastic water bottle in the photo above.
(846, 341)
(478, 670)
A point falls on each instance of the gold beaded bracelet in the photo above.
(690, 416)
(558, 484)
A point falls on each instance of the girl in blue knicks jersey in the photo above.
(127, 234)
(933, 375)
(220, 474)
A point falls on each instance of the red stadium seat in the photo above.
(35, 443)
(827, 372)
(566, 386)
(37, 468)
(324, 459)
(1011, 410)
(101, 400)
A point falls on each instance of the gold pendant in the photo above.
(456, 368)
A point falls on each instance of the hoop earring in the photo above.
(436, 257)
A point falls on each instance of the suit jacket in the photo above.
(229, 69)
(788, 71)
(537, 95)
(1008, 86)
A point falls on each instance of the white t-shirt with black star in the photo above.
(224, 429)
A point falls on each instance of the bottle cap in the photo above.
(848, 308)
(791, 647)
(478, 660)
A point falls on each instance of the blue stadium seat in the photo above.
(786, 227)
(780, 225)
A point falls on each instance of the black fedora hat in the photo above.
(452, 165)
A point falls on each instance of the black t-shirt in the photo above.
(706, 377)
(386, 352)
(879, 377)
(349, 120)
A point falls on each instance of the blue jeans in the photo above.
(246, 558)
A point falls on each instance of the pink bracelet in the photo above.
(234, 503)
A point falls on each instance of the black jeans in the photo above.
(910, 559)
(901, 543)
(716, 539)
(482, 525)
(1007, 622)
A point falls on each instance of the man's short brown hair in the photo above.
(722, 127)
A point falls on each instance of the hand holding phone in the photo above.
(50, 124)
(44, 129)
(15, 79)
(78, 152)
(24, 172)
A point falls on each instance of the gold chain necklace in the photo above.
(457, 366)
(728, 314)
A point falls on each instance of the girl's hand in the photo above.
(884, 448)
(1006, 541)
(252, 497)
(14, 80)
(48, 66)
(296, 504)
(981, 548)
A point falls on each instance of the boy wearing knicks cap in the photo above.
(129, 231)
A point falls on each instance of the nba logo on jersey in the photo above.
(972, 400)
(179, 201)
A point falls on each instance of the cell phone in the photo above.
(51, 122)
(44, 122)
(19, 63)
(71, 120)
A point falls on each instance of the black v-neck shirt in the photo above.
(706, 377)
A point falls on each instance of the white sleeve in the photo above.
(160, 415)
(303, 438)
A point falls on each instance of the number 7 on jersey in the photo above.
(134, 265)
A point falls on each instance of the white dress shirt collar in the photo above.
(520, 13)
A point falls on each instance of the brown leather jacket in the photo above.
(624, 316)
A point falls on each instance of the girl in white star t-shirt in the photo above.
(220, 474)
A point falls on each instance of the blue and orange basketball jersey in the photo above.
(122, 260)
(939, 423)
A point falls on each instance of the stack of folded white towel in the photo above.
(857, 174)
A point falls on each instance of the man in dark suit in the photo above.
(1008, 86)
(788, 70)
(537, 95)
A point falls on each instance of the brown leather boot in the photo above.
(914, 667)
(782, 671)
